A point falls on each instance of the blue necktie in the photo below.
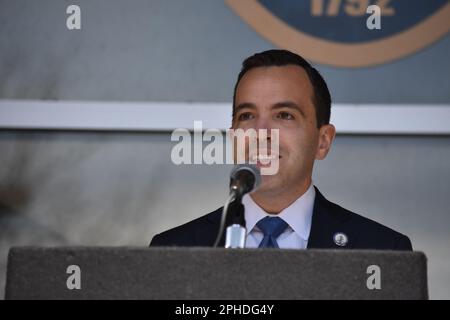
(272, 227)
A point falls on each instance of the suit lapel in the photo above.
(328, 220)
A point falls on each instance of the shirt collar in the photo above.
(298, 215)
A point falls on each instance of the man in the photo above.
(278, 89)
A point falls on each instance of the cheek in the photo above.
(298, 145)
(291, 141)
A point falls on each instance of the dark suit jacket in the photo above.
(328, 219)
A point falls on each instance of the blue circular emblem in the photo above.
(337, 32)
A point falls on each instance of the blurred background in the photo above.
(86, 115)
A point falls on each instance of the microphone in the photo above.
(244, 178)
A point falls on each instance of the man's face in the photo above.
(281, 98)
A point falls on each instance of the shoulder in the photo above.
(374, 235)
(367, 233)
(197, 232)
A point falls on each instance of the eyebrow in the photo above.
(278, 105)
(245, 105)
(289, 105)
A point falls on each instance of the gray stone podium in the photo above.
(216, 274)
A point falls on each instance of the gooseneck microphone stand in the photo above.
(233, 218)
(244, 178)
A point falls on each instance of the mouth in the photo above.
(264, 160)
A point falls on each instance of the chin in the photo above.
(270, 184)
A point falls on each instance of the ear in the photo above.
(327, 132)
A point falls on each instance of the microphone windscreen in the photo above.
(248, 174)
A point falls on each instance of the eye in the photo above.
(285, 116)
(245, 116)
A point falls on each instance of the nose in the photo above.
(264, 123)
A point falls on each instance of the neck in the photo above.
(274, 203)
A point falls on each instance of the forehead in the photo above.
(269, 85)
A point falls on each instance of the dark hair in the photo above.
(279, 58)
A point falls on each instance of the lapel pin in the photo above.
(340, 239)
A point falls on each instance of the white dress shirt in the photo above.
(298, 216)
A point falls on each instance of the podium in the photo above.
(213, 274)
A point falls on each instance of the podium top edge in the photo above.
(36, 249)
